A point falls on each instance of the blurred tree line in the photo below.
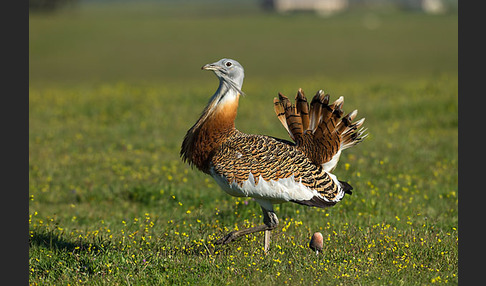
(49, 5)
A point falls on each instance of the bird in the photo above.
(269, 169)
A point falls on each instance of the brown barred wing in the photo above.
(255, 157)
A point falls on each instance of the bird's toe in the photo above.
(227, 238)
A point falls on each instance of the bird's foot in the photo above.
(227, 238)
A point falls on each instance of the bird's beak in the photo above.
(210, 67)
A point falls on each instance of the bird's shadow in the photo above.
(54, 242)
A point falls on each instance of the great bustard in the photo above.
(269, 169)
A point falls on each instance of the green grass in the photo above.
(110, 202)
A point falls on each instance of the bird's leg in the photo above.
(270, 221)
(266, 241)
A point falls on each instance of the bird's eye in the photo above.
(228, 64)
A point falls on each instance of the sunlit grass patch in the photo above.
(148, 245)
(111, 201)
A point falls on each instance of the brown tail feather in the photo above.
(320, 130)
(293, 121)
(280, 111)
(317, 102)
(302, 108)
(325, 130)
(353, 135)
(345, 123)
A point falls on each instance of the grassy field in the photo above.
(113, 90)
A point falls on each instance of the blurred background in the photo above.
(87, 41)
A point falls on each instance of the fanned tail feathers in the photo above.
(319, 130)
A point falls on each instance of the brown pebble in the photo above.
(316, 241)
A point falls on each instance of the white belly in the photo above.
(282, 190)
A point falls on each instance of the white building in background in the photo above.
(430, 6)
(434, 6)
(324, 7)
(328, 7)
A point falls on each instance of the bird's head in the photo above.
(228, 71)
